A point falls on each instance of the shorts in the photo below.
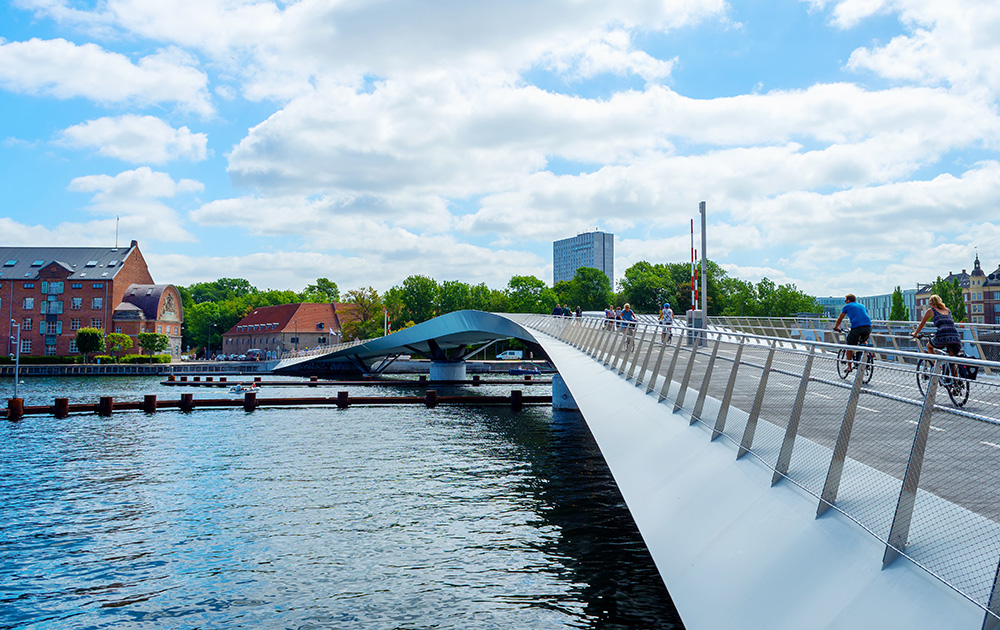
(858, 335)
(952, 347)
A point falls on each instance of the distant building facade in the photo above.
(879, 306)
(980, 291)
(51, 292)
(286, 328)
(590, 249)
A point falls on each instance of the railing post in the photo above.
(590, 339)
(607, 346)
(992, 620)
(665, 391)
(900, 530)
(637, 350)
(700, 404)
(679, 402)
(640, 379)
(629, 346)
(727, 398)
(656, 366)
(758, 402)
(785, 455)
(833, 475)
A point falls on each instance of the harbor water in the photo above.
(367, 517)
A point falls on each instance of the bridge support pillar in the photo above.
(447, 371)
(562, 399)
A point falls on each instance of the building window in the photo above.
(76, 285)
(159, 328)
(76, 304)
(50, 351)
(43, 327)
(26, 323)
(118, 329)
(29, 304)
(72, 346)
(96, 322)
(74, 324)
(98, 285)
(97, 303)
(26, 346)
(29, 285)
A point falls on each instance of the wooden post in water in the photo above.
(256, 379)
(61, 409)
(105, 406)
(516, 400)
(197, 378)
(187, 403)
(149, 403)
(249, 401)
(15, 408)
(475, 380)
(431, 398)
(342, 400)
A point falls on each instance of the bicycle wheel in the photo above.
(924, 370)
(842, 363)
(868, 366)
(958, 389)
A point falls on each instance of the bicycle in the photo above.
(868, 360)
(957, 387)
(628, 333)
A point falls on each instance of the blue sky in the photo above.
(841, 145)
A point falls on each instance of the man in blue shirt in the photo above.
(861, 325)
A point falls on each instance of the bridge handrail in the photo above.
(937, 503)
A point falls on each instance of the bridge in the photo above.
(770, 491)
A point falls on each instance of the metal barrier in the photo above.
(906, 459)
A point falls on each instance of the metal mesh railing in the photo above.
(898, 441)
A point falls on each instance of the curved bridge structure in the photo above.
(447, 341)
(770, 491)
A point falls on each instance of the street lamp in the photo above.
(208, 342)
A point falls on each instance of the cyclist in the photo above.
(628, 320)
(667, 322)
(861, 326)
(945, 334)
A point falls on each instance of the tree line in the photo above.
(212, 308)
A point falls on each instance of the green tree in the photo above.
(221, 289)
(89, 340)
(951, 294)
(528, 294)
(483, 298)
(646, 287)
(324, 290)
(363, 318)
(454, 296)
(899, 312)
(116, 342)
(589, 289)
(416, 299)
(153, 343)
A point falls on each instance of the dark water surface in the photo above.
(388, 517)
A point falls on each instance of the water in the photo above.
(396, 517)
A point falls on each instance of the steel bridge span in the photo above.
(771, 492)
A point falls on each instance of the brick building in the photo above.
(54, 291)
(286, 328)
(980, 291)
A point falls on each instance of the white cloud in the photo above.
(137, 139)
(64, 70)
(952, 44)
(132, 195)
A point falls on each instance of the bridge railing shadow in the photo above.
(901, 443)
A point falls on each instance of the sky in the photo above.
(840, 145)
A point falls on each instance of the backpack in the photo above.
(967, 372)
